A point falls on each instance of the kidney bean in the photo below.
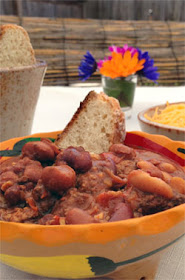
(144, 182)
(122, 212)
(150, 168)
(38, 151)
(77, 158)
(78, 216)
(178, 184)
(58, 178)
(13, 194)
(123, 151)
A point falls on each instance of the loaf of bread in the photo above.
(15, 47)
(96, 125)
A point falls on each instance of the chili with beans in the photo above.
(49, 186)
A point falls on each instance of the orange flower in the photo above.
(122, 65)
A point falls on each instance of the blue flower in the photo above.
(87, 66)
(149, 71)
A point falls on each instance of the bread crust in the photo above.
(82, 106)
(7, 27)
(118, 133)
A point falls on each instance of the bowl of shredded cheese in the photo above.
(167, 119)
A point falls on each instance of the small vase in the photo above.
(122, 89)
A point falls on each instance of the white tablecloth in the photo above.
(55, 108)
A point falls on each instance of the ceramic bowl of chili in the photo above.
(129, 249)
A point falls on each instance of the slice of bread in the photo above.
(15, 47)
(96, 125)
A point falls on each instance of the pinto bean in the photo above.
(123, 151)
(49, 219)
(40, 192)
(112, 159)
(103, 165)
(13, 194)
(51, 144)
(20, 166)
(38, 151)
(122, 212)
(150, 168)
(8, 176)
(111, 156)
(78, 216)
(178, 184)
(6, 185)
(167, 167)
(58, 178)
(8, 164)
(154, 161)
(77, 158)
(33, 172)
(59, 159)
(110, 199)
(144, 182)
(3, 202)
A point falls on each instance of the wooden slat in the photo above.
(63, 42)
(99, 9)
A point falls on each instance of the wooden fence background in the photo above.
(171, 10)
(63, 42)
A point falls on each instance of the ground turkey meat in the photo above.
(144, 203)
(18, 215)
(99, 178)
(73, 199)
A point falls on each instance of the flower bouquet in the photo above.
(120, 71)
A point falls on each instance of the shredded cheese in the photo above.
(172, 115)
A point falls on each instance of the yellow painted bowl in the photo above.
(130, 248)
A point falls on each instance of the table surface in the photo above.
(55, 107)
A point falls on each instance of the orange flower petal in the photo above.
(127, 58)
(134, 61)
(121, 65)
